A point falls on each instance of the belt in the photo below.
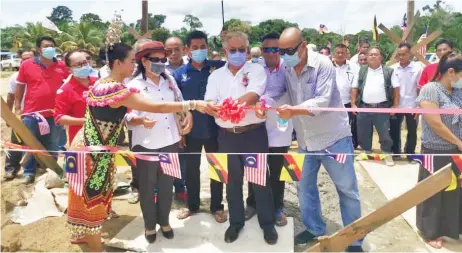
(377, 105)
(243, 129)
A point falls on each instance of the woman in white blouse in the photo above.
(155, 132)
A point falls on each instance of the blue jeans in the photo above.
(179, 184)
(62, 137)
(49, 141)
(344, 178)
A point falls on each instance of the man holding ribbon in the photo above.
(311, 84)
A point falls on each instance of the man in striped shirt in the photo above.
(311, 83)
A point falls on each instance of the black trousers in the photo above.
(352, 119)
(12, 161)
(253, 141)
(193, 183)
(151, 178)
(395, 133)
(134, 183)
(275, 166)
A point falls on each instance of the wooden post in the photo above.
(144, 17)
(393, 208)
(28, 138)
(410, 19)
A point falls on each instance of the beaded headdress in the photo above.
(114, 32)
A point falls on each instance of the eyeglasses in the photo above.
(289, 51)
(268, 50)
(156, 59)
(80, 64)
(234, 50)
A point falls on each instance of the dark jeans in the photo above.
(253, 141)
(134, 183)
(352, 119)
(49, 141)
(395, 133)
(12, 161)
(62, 137)
(179, 184)
(275, 166)
(381, 122)
(193, 183)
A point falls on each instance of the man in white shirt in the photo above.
(244, 82)
(375, 87)
(279, 139)
(345, 72)
(408, 74)
(12, 161)
(364, 47)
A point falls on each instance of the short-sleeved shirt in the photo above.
(70, 102)
(193, 85)
(12, 87)
(436, 93)
(42, 84)
(223, 84)
(374, 88)
(427, 74)
(408, 78)
(345, 75)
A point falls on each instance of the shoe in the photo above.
(389, 161)
(167, 234)
(304, 237)
(150, 238)
(271, 236)
(231, 234)
(134, 197)
(281, 219)
(9, 176)
(249, 212)
(183, 196)
(29, 179)
(355, 249)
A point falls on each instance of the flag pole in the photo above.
(222, 13)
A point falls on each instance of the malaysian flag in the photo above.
(322, 29)
(170, 164)
(340, 158)
(404, 23)
(75, 171)
(255, 168)
(425, 160)
(44, 128)
(423, 50)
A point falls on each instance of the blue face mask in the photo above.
(82, 72)
(255, 59)
(49, 52)
(291, 60)
(199, 55)
(237, 59)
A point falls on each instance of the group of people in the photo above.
(171, 101)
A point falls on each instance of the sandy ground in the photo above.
(51, 234)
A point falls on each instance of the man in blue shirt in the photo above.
(192, 80)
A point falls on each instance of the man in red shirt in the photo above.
(43, 76)
(70, 104)
(442, 47)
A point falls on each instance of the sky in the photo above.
(340, 16)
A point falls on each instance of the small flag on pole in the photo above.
(375, 32)
(218, 167)
(170, 165)
(322, 29)
(404, 23)
(423, 50)
(340, 158)
(425, 160)
(292, 167)
(44, 128)
(75, 171)
(255, 168)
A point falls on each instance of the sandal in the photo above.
(281, 219)
(437, 243)
(220, 216)
(113, 215)
(185, 213)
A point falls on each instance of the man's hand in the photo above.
(18, 111)
(187, 124)
(395, 106)
(285, 112)
(260, 112)
(212, 109)
(148, 123)
(353, 106)
(416, 116)
(182, 142)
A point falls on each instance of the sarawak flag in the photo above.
(292, 167)
(255, 167)
(458, 162)
(375, 32)
(170, 165)
(375, 157)
(75, 171)
(125, 159)
(218, 167)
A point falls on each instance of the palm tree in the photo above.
(31, 32)
(81, 36)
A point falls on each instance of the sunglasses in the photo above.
(269, 50)
(233, 51)
(289, 51)
(156, 59)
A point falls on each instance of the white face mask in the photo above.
(457, 84)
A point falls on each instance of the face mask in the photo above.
(255, 59)
(49, 52)
(457, 85)
(157, 68)
(199, 55)
(82, 72)
(291, 60)
(237, 59)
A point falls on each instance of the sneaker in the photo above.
(9, 176)
(389, 161)
(304, 237)
(355, 249)
(270, 236)
(134, 197)
(183, 196)
(29, 179)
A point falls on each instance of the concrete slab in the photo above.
(201, 233)
(394, 181)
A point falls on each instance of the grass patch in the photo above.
(6, 74)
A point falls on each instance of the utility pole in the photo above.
(144, 17)
(222, 13)
(410, 18)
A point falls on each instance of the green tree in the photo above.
(160, 34)
(154, 21)
(30, 33)
(61, 15)
(82, 36)
(92, 18)
(192, 22)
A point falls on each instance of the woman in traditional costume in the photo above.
(441, 214)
